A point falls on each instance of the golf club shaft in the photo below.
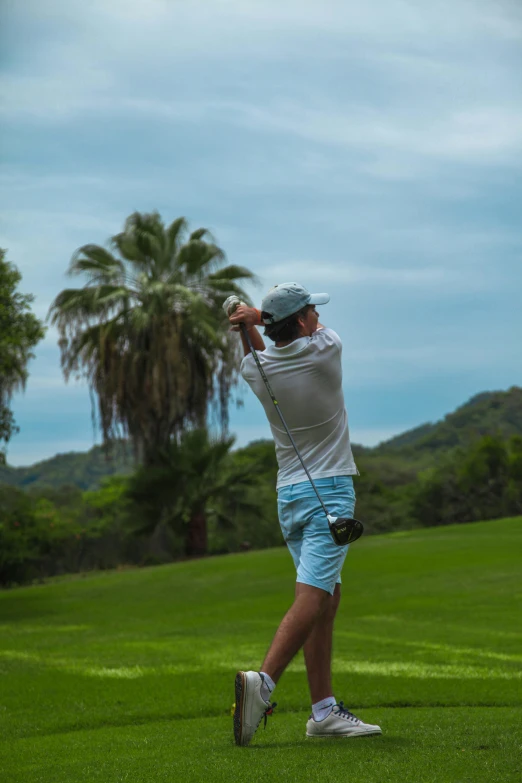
(278, 409)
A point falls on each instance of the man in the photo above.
(304, 370)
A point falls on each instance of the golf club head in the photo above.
(345, 530)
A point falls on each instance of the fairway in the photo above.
(128, 675)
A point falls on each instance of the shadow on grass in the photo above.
(383, 742)
(18, 607)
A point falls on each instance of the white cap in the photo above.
(286, 299)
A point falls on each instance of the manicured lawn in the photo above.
(128, 676)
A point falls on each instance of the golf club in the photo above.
(344, 530)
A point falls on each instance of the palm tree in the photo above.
(147, 330)
(193, 480)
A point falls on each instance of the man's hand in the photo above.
(243, 314)
(238, 313)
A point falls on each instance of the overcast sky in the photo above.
(371, 150)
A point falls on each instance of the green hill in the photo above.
(496, 413)
(83, 470)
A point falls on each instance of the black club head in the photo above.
(346, 530)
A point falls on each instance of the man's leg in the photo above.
(251, 688)
(318, 649)
(309, 605)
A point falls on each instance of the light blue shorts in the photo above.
(318, 560)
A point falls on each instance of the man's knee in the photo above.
(316, 598)
(326, 603)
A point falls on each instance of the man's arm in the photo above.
(256, 339)
(250, 317)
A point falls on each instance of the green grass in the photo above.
(128, 676)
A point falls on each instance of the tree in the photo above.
(483, 477)
(148, 333)
(482, 482)
(514, 489)
(194, 480)
(20, 331)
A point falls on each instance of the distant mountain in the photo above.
(82, 469)
(488, 413)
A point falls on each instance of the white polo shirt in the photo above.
(306, 378)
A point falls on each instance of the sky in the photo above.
(371, 150)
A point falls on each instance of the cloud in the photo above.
(429, 259)
(23, 181)
(478, 134)
(430, 57)
(450, 356)
(346, 273)
(381, 20)
(57, 219)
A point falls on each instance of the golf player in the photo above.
(303, 366)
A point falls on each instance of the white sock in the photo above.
(323, 708)
(267, 687)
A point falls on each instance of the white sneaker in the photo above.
(250, 707)
(340, 723)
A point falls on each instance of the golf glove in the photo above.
(231, 304)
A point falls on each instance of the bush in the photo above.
(19, 542)
(484, 482)
(34, 535)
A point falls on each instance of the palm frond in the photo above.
(201, 233)
(127, 248)
(144, 222)
(174, 235)
(234, 272)
(81, 304)
(96, 262)
(196, 256)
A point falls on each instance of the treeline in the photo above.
(203, 498)
(199, 498)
